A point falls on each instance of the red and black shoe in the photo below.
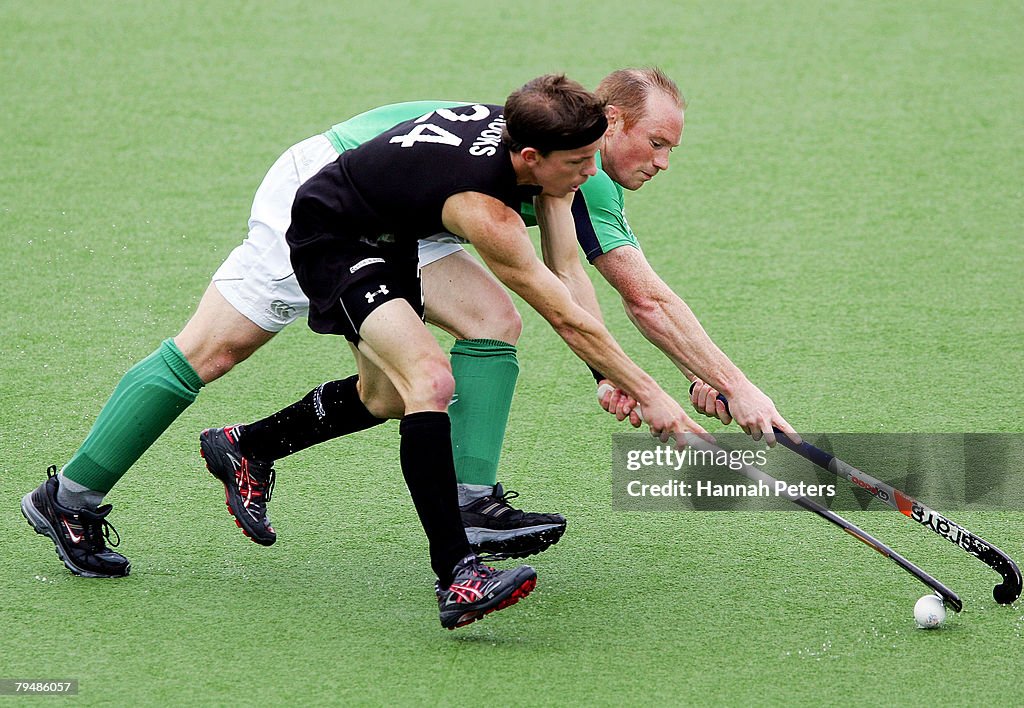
(248, 483)
(79, 535)
(477, 590)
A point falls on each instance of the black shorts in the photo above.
(351, 279)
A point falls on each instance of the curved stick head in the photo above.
(1007, 592)
(949, 598)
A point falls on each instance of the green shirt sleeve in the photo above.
(600, 215)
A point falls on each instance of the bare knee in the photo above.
(213, 354)
(218, 360)
(479, 309)
(498, 320)
(431, 386)
(508, 325)
(218, 337)
(427, 386)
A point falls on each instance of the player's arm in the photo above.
(669, 323)
(501, 240)
(560, 250)
(666, 320)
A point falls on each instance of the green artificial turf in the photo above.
(844, 216)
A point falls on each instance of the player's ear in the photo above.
(614, 116)
(530, 155)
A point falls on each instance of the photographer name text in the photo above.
(703, 488)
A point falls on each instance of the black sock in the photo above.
(429, 472)
(326, 412)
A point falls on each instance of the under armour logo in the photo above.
(382, 291)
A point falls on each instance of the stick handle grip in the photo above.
(804, 449)
(607, 388)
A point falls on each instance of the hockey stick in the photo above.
(757, 475)
(1005, 593)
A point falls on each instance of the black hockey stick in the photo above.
(756, 474)
(1005, 593)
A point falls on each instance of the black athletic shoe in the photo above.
(478, 590)
(78, 534)
(500, 531)
(248, 483)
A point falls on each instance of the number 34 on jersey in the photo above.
(430, 132)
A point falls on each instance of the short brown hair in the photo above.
(553, 112)
(628, 89)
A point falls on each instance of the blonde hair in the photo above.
(628, 89)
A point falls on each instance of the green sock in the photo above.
(485, 377)
(146, 401)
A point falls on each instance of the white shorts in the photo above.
(257, 277)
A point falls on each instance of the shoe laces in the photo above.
(501, 496)
(475, 567)
(264, 479)
(94, 529)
